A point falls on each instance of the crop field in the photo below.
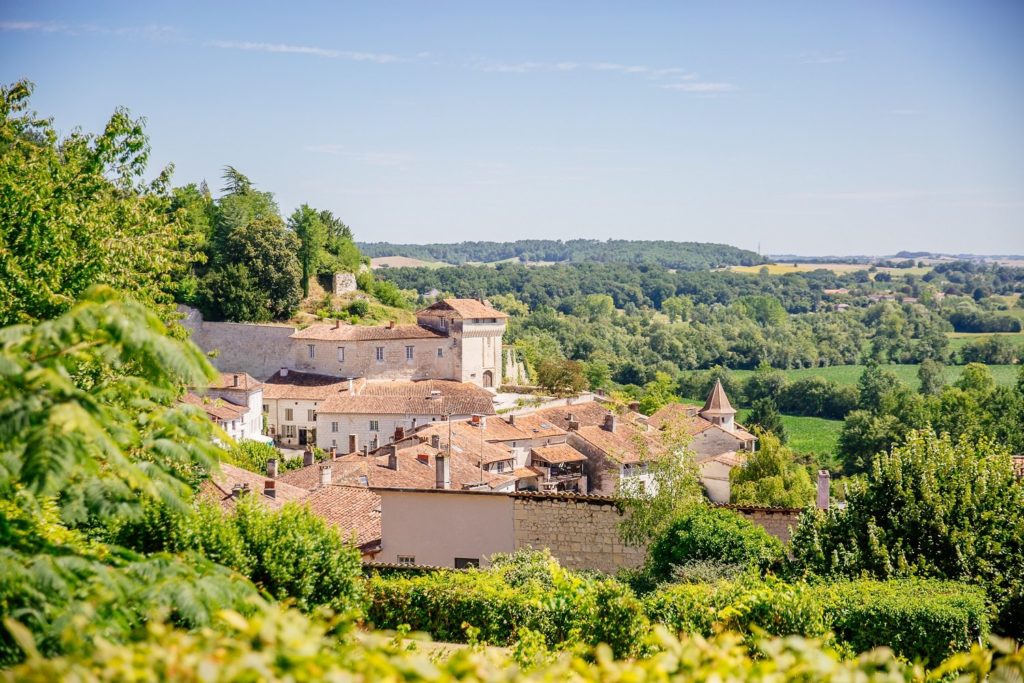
(404, 262)
(814, 435)
(958, 340)
(1005, 375)
(783, 268)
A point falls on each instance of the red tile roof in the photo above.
(462, 309)
(585, 412)
(218, 409)
(673, 412)
(557, 453)
(346, 332)
(412, 398)
(718, 402)
(304, 386)
(226, 380)
(218, 488)
(354, 510)
(629, 443)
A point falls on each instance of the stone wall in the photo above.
(581, 533)
(779, 522)
(344, 283)
(259, 350)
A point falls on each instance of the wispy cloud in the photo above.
(700, 87)
(154, 32)
(33, 26)
(824, 57)
(328, 53)
(672, 78)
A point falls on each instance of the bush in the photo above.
(816, 396)
(706, 533)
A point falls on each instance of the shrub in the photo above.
(359, 308)
(706, 533)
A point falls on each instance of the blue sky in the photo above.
(814, 128)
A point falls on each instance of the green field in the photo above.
(958, 340)
(808, 434)
(1005, 375)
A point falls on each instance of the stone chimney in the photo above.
(366, 450)
(334, 452)
(609, 422)
(270, 488)
(284, 372)
(574, 425)
(399, 433)
(435, 441)
(337, 323)
(393, 457)
(634, 406)
(325, 475)
(443, 469)
(272, 468)
(512, 419)
(351, 386)
(353, 443)
(234, 380)
(239, 490)
(391, 324)
(307, 457)
(824, 487)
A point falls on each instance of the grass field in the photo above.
(808, 434)
(1005, 375)
(404, 262)
(958, 340)
(783, 268)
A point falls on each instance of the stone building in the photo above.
(234, 403)
(291, 400)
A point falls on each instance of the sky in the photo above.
(840, 127)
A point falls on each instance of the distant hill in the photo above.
(677, 255)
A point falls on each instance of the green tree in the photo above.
(340, 253)
(765, 415)
(772, 476)
(677, 308)
(312, 236)
(874, 384)
(931, 507)
(561, 377)
(976, 378)
(932, 375)
(76, 211)
(675, 487)
(658, 393)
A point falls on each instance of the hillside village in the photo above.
(412, 408)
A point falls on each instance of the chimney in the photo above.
(512, 419)
(435, 441)
(239, 490)
(234, 379)
(393, 458)
(474, 420)
(284, 372)
(307, 458)
(272, 468)
(337, 323)
(391, 324)
(634, 406)
(325, 475)
(399, 433)
(351, 386)
(353, 443)
(574, 425)
(366, 450)
(609, 422)
(443, 469)
(571, 417)
(824, 486)
(334, 452)
(270, 488)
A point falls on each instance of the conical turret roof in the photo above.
(718, 402)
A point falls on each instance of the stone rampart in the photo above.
(258, 350)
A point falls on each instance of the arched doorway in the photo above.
(488, 379)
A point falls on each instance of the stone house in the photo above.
(290, 403)
(233, 402)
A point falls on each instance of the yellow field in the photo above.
(403, 262)
(783, 268)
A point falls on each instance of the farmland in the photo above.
(1005, 375)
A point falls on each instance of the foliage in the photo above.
(765, 415)
(675, 488)
(561, 377)
(932, 508)
(282, 645)
(709, 533)
(771, 476)
(931, 374)
(254, 455)
(76, 211)
(312, 235)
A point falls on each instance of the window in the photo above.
(409, 352)
(312, 350)
(288, 431)
(334, 426)
(501, 466)
(440, 352)
(374, 426)
(310, 416)
(289, 414)
(406, 559)
(465, 562)
(266, 408)
(341, 354)
(380, 354)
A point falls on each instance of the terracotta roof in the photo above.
(673, 412)
(718, 402)
(1018, 466)
(526, 473)
(219, 486)
(355, 510)
(462, 309)
(627, 444)
(465, 440)
(562, 452)
(405, 397)
(346, 332)
(226, 380)
(304, 386)
(730, 458)
(586, 413)
(218, 409)
(535, 426)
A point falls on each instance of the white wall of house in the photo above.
(715, 441)
(333, 429)
(434, 528)
(251, 424)
(285, 426)
(714, 476)
(480, 352)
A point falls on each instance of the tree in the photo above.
(658, 393)
(76, 211)
(228, 293)
(765, 415)
(677, 308)
(865, 435)
(771, 476)
(932, 507)
(874, 383)
(977, 379)
(312, 236)
(562, 377)
(932, 375)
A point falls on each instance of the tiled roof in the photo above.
(218, 409)
(346, 332)
(730, 458)
(226, 380)
(558, 453)
(465, 440)
(718, 402)
(585, 412)
(536, 426)
(412, 398)
(462, 308)
(355, 510)
(219, 486)
(627, 444)
(304, 386)
(526, 473)
(673, 412)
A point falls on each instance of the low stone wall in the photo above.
(779, 522)
(581, 533)
(259, 350)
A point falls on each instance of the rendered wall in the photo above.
(260, 350)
